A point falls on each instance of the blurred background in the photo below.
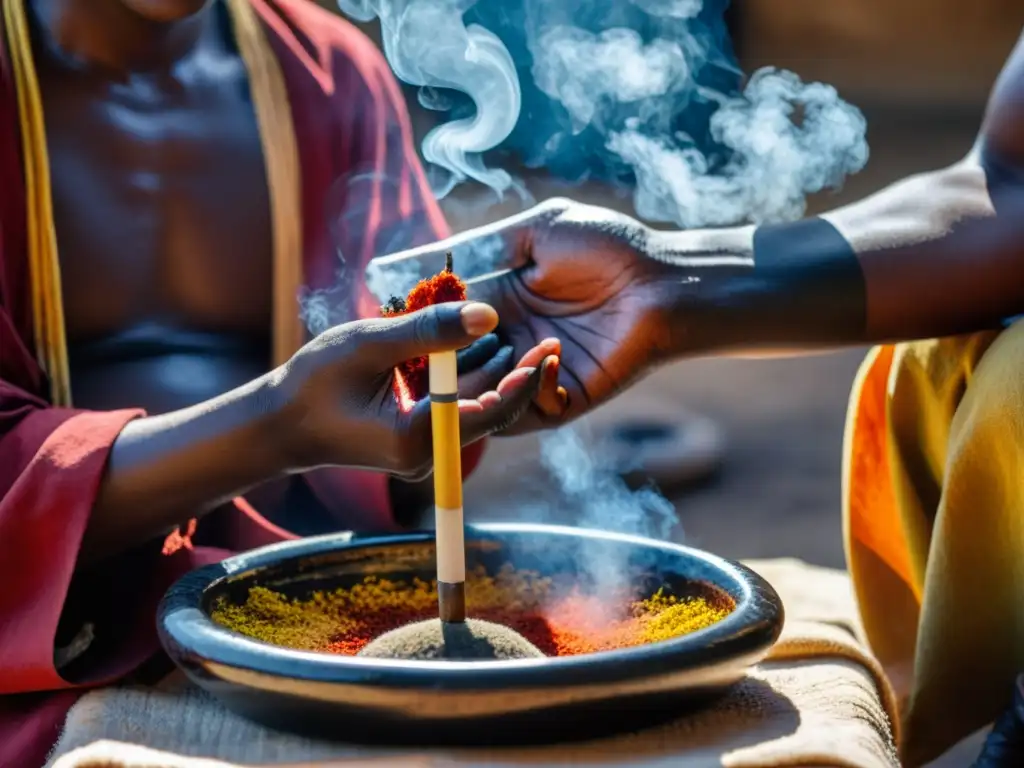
(920, 70)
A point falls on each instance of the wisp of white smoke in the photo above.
(594, 492)
(765, 149)
(678, 9)
(775, 160)
(781, 139)
(427, 44)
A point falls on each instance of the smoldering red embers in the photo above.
(411, 378)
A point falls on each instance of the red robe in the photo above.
(349, 118)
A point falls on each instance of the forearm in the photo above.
(165, 469)
(933, 255)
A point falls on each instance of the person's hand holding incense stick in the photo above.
(340, 390)
(438, 374)
(333, 404)
(453, 636)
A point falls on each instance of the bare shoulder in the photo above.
(1002, 133)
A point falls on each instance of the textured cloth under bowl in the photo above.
(819, 700)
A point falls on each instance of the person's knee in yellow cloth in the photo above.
(934, 524)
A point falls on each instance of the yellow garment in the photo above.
(279, 148)
(934, 525)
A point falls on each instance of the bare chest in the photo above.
(161, 209)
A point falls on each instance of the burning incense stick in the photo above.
(451, 547)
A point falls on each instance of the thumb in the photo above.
(438, 328)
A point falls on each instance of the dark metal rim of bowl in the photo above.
(200, 646)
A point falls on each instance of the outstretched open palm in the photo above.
(566, 271)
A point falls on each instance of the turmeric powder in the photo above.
(662, 617)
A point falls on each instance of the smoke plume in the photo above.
(594, 493)
(428, 44)
(774, 160)
(644, 94)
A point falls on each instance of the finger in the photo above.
(474, 383)
(493, 411)
(385, 342)
(514, 380)
(553, 402)
(486, 377)
(498, 414)
(488, 399)
(486, 388)
(535, 356)
(477, 353)
(493, 396)
(551, 399)
(490, 371)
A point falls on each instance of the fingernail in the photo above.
(479, 319)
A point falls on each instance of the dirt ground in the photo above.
(778, 493)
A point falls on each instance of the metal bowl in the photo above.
(468, 703)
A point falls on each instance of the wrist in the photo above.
(165, 469)
(794, 285)
(278, 419)
(704, 284)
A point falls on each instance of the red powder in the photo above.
(575, 624)
(352, 642)
(411, 379)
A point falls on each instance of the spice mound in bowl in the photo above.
(469, 640)
(557, 618)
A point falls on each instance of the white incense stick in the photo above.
(451, 546)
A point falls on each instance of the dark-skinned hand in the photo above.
(570, 274)
(338, 389)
